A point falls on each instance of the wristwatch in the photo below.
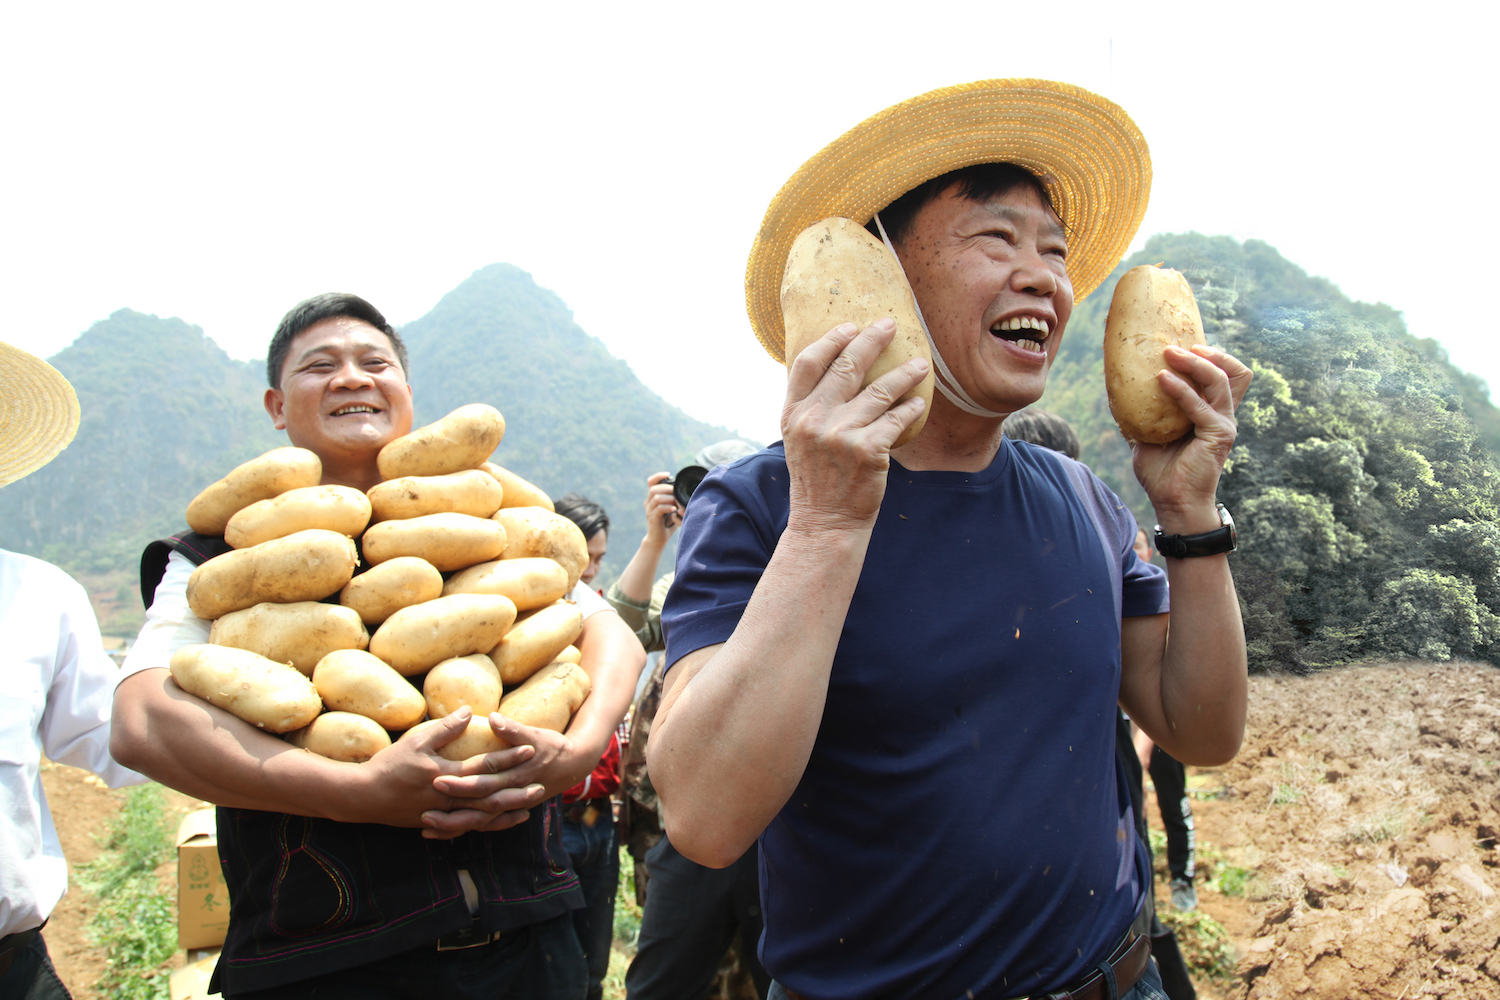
(1210, 543)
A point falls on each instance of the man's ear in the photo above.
(276, 406)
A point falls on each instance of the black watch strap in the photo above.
(1209, 543)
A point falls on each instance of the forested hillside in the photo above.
(166, 412)
(1362, 485)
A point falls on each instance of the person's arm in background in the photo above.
(663, 517)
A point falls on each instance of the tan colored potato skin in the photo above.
(571, 654)
(536, 642)
(333, 508)
(341, 736)
(448, 541)
(536, 533)
(463, 439)
(266, 694)
(420, 637)
(262, 478)
(303, 566)
(549, 697)
(836, 272)
(381, 591)
(1153, 308)
(518, 492)
(352, 680)
(301, 633)
(529, 582)
(473, 491)
(477, 739)
(464, 680)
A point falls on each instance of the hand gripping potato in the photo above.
(341, 736)
(261, 478)
(477, 738)
(532, 532)
(303, 566)
(417, 638)
(269, 695)
(464, 680)
(463, 439)
(381, 591)
(1153, 308)
(473, 491)
(518, 492)
(300, 634)
(333, 508)
(536, 641)
(352, 680)
(448, 541)
(836, 272)
(549, 698)
(529, 582)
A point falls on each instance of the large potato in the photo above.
(303, 566)
(341, 736)
(528, 582)
(533, 532)
(536, 641)
(448, 541)
(518, 492)
(464, 680)
(1153, 308)
(381, 591)
(352, 680)
(266, 694)
(420, 637)
(836, 272)
(333, 508)
(571, 654)
(549, 697)
(477, 738)
(261, 478)
(463, 439)
(300, 634)
(472, 491)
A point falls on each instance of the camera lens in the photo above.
(685, 482)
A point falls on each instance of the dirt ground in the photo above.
(1356, 834)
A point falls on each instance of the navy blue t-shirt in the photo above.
(961, 829)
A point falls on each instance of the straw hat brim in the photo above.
(38, 413)
(1090, 155)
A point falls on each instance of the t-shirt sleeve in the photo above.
(1143, 585)
(170, 623)
(588, 600)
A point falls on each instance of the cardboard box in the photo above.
(191, 981)
(202, 897)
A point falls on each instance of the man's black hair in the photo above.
(316, 309)
(1043, 428)
(589, 516)
(981, 182)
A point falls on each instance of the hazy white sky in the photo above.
(220, 163)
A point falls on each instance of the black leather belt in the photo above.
(13, 944)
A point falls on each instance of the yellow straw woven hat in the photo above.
(1088, 153)
(38, 413)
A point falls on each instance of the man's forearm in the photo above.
(640, 572)
(613, 660)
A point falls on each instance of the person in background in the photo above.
(588, 816)
(56, 683)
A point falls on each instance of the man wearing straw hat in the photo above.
(57, 686)
(898, 667)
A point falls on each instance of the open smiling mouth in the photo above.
(1026, 332)
(344, 411)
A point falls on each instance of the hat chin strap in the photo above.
(946, 383)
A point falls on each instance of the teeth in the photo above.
(1028, 345)
(1022, 323)
(353, 409)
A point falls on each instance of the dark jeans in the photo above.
(691, 916)
(1148, 987)
(595, 853)
(32, 977)
(1170, 779)
(538, 962)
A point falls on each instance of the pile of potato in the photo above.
(463, 601)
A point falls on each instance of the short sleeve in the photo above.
(170, 623)
(589, 602)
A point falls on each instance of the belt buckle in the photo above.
(472, 936)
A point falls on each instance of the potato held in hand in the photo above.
(270, 475)
(529, 582)
(351, 680)
(1153, 308)
(381, 591)
(536, 641)
(549, 699)
(269, 695)
(332, 508)
(418, 638)
(341, 736)
(532, 532)
(300, 634)
(836, 272)
(462, 440)
(464, 680)
(448, 541)
(305, 566)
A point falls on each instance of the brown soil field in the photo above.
(1349, 850)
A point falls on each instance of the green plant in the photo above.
(1387, 826)
(627, 912)
(1230, 880)
(1286, 795)
(1204, 942)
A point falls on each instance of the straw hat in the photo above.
(38, 413)
(1088, 153)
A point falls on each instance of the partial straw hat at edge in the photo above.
(1088, 152)
(38, 413)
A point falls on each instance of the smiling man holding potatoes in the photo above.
(408, 875)
(898, 666)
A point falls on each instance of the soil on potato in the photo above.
(1356, 831)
